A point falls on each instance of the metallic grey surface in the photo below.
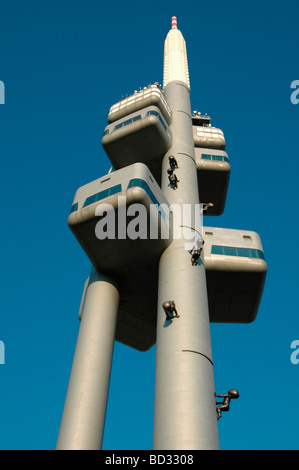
(184, 416)
(83, 419)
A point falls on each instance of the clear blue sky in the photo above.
(64, 64)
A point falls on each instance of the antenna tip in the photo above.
(174, 23)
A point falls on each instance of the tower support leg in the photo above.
(83, 418)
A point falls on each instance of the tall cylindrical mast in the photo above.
(83, 419)
(185, 413)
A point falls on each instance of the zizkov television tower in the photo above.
(155, 290)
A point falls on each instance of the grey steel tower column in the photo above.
(185, 413)
(83, 419)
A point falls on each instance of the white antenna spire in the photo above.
(175, 56)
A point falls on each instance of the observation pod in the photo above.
(212, 163)
(148, 96)
(213, 173)
(236, 271)
(139, 130)
(103, 219)
(205, 135)
(133, 262)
